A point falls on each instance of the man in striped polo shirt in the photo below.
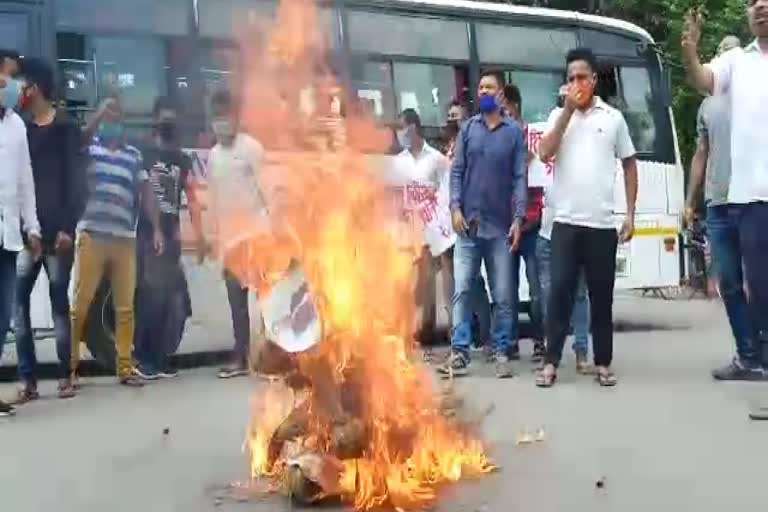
(106, 233)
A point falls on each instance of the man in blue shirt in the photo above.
(488, 196)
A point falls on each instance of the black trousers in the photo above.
(594, 250)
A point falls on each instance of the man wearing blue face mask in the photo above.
(106, 234)
(488, 197)
(18, 210)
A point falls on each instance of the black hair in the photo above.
(512, 93)
(411, 117)
(584, 54)
(164, 103)
(223, 101)
(455, 102)
(10, 55)
(39, 73)
(497, 74)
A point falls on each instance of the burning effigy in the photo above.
(349, 411)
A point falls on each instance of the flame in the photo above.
(329, 211)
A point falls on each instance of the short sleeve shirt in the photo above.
(713, 126)
(585, 172)
(113, 191)
(741, 75)
(167, 170)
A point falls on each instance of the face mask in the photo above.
(223, 129)
(488, 104)
(166, 130)
(405, 138)
(111, 131)
(25, 99)
(9, 95)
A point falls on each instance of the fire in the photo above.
(369, 426)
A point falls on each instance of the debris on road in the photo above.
(525, 436)
(600, 484)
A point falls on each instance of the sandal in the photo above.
(606, 378)
(546, 380)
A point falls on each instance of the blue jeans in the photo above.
(527, 253)
(754, 246)
(58, 269)
(724, 237)
(482, 310)
(580, 313)
(469, 253)
(7, 292)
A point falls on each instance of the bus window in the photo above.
(628, 89)
(372, 82)
(524, 46)
(223, 19)
(606, 43)
(539, 91)
(162, 17)
(391, 34)
(638, 107)
(427, 88)
(14, 31)
(133, 67)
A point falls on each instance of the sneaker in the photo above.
(503, 367)
(736, 370)
(456, 366)
(6, 409)
(539, 351)
(66, 389)
(144, 372)
(27, 393)
(132, 381)
(168, 373)
(233, 371)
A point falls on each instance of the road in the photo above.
(667, 438)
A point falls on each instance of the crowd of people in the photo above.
(83, 202)
(566, 237)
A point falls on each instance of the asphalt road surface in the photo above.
(667, 438)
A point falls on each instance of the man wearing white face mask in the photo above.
(17, 201)
(422, 167)
(235, 200)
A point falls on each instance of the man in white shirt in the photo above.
(586, 137)
(422, 168)
(18, 211)
(742, 76)
(238, 206)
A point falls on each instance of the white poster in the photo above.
(290, 317)
(540, 174)
(438, 230)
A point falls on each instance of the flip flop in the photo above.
(544, 380)
(606, 379)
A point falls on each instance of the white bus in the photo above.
(395, 53)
